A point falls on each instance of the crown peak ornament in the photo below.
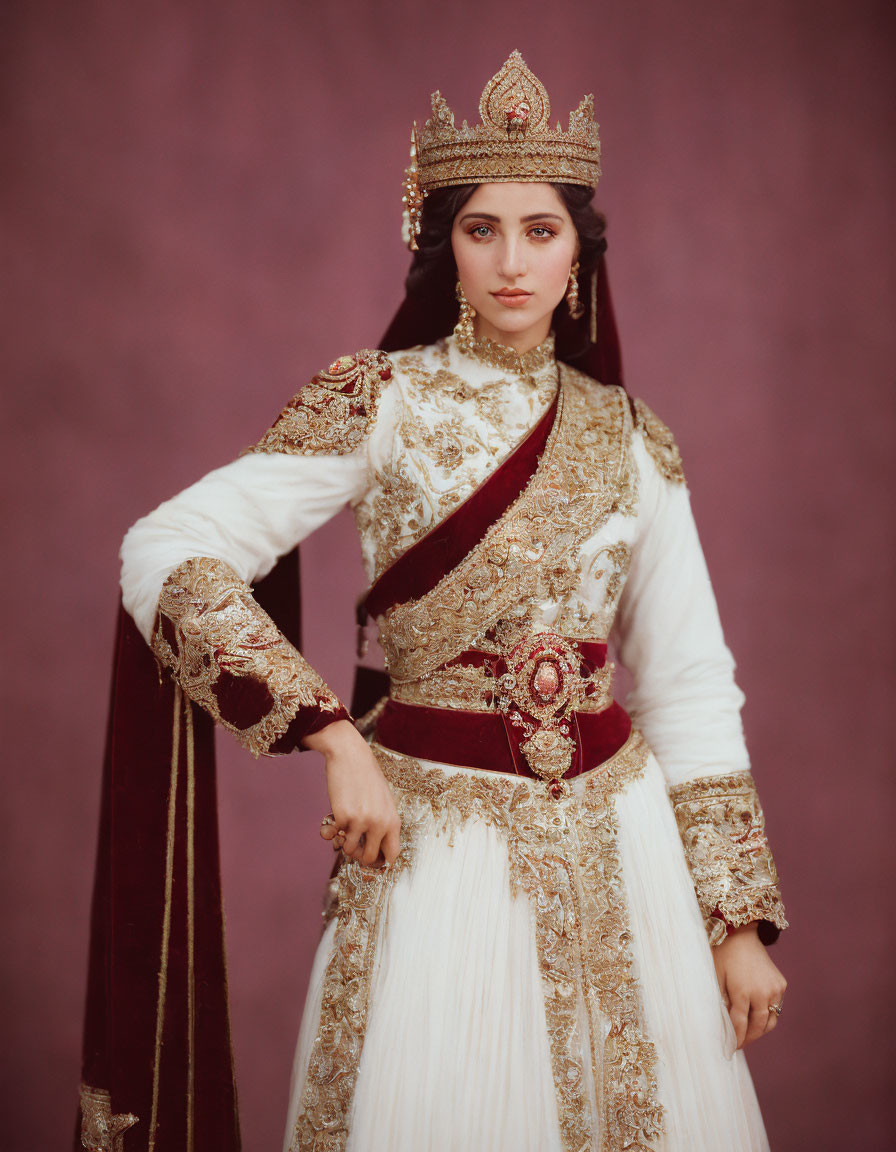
(513, 142)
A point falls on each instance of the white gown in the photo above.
(535, 972)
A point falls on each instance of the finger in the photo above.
(391, 846)
(353, 836)
(328, 831)
(758, 1023)
(740, 1016)
(372, 839)
(772, 1023)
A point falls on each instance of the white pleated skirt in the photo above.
(465, 1024)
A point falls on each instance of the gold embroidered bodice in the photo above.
(601, 540)
(448, 418)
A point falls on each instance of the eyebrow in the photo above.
(523, 219)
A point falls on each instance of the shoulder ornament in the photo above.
(660, 443)
(334, 411)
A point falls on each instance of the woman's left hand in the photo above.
(749, 982)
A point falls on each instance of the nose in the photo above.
(512, 259)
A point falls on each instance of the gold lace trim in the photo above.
(101, 1131)
(563, 856)
(723, 831)
(533, 551)
(209, 624)
(660, 443)
(451, 426)
(475, 689)
(336, 1052)
(333, 412)
(497, 355)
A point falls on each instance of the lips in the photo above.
(512, 297)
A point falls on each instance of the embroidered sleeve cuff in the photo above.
(229, 656)
(723, 831)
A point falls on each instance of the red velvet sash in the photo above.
(486, 740)
(422, 566)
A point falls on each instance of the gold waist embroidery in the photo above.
(540, 685)
(477, 791)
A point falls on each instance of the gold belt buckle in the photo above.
(541, 687)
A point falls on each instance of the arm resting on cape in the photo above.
(187, 567)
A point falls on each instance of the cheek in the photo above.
(556, 270)
(470, 261)
(474, 270)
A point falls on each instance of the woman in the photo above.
(516, 955)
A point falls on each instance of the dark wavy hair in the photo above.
(430, 308)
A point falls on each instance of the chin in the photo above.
(513, 323)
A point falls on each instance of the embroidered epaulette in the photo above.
(333, 412)
(660, 443)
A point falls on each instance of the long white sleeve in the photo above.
(687, 704)
(247, 513)
(669, 637)
(187, 566)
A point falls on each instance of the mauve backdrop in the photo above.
(200, 209)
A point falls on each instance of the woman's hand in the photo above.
(360, 800)
(749, 981)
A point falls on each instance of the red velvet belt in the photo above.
(486, 739)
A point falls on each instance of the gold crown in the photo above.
(514, 142)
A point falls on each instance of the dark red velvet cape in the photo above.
(157, 1031)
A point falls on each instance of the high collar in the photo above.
(495, 355)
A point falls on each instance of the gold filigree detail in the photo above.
(456, 686)
(101, 1130)
(660, 443)
(723, 831)
(532, 552)
(396, 514)
(333, 413)
(474, 689)
(513, 141)
(564, 857)
(453, 432)
(497, 355)
(361, 894)
(211, 634)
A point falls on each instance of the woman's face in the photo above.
(514, 245)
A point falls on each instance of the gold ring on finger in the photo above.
(776, 1008)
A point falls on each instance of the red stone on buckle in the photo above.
(556, 789)
(546, 680)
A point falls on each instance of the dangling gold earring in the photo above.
(572, 293)
(465, 331)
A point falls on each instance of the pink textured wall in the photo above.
(200, 209)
